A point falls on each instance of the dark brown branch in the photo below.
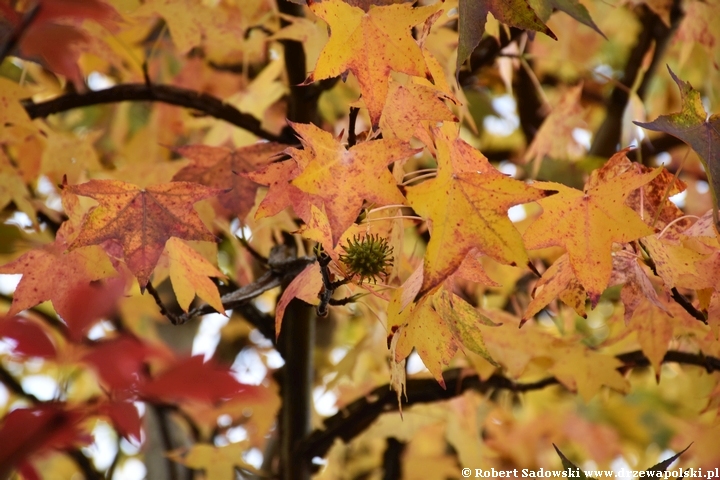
(139, 92)
(14, 386)
(297, 345)
(16, 35)
(274, 277)
(84, 464)
(654, 33)
(163, 309)
(361, 413)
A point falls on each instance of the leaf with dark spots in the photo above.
(142, 220)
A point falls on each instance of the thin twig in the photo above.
(163, 309)
(138, 92)
(675, 294)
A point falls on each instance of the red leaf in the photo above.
(193, 379)
(89, 302)
(31, 340)
(27, 431)
(121, 362)
(125, 417)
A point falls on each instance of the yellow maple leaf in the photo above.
(585, 371)
(189, 272)
(409, 107)
(586, 223)
(467, 208)
(557, 281)
(381, 40)
(437, 326)
(218, 462)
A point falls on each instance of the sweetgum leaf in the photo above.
(142, 220)
(381, 42)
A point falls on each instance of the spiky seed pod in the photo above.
(367, 257)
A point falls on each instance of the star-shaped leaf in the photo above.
(141, 220)
(467, 208)
(586, 223)
(381, 42)
(437, 326)
(692, 126)
(341, 179)
(220, 167)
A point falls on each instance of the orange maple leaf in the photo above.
(141, 220)
(341, 179)
(410, 106)
(586, 223)
(370, 45)
(467, 207)
(50, 274)
(221, 168)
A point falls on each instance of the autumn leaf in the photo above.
(28, 431)
(306, 286)
(189, 272)
(693, 126)
(558, 281)
(49, 273)
(13, 189)
(584, 371)
(410, 104)
(29, 338)
(57, 44)
(586, 223)
(652, 200)
(217, 462)
(141, 220)
(473, 15)
(382, 42)
(654, 328)
(221, 168)
(338, 177)
(466, 206)
(437, 326)
(554, 138)
(281, 192)
(125, 417)
(194, 379)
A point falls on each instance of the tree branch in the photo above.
(360, 414)
(654, 33)
(139, 92)
(14, 38)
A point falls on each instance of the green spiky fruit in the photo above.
(367, 257)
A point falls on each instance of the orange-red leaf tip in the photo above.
(64, 182)
(523, 321)
(594, 299)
